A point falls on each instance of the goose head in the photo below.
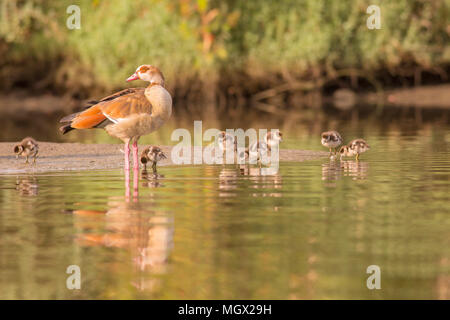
(148, 73)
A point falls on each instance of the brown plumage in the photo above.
(354, 148)
(28, 147)
(127, 114)
(152, 154)
(331, 140)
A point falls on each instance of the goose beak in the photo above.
(134, 76)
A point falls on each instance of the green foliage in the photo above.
(199, 39)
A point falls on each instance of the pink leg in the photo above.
(127, 185)
(126, 151)
(135, 170)
(135, 185)
(135, 156)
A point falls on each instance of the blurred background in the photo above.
(247, 63)
(303, 67)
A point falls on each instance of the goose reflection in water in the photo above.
(332, 170)
(358, 170)
(148, 235)
(231, 178)
(228, 181)
(335, 170)
(151, 179)
(27, 186)
(130, 225)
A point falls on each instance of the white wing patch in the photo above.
(112, 119)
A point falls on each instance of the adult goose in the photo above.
(127, 114)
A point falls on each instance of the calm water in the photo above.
(309, 232)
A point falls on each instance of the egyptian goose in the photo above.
(26, 148)
(152, 154)
(355, 147)
(331, 140)
(128, 114)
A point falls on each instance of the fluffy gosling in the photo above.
(258, 148)
(28, 147)
(152, 154)
(331, 140)
(355, 147)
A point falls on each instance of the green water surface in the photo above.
(210, 232)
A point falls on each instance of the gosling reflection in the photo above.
(230, 179)
(27, 186)
(147, 235)
(332, 170)
(358, 170)
(335, 170)
(265, 183)
(151, 179)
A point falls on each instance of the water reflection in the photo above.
(334, 170)
(146, 234)
(151, 179)
(27, 186)
(228, 181)
(358, 170)
(331, 171)
(232, 178)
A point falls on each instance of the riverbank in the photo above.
(76, 156)
(20, 104)
(225, 53)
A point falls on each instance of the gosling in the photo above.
(331, 140)
(152, 154)
(28, 147)
(355, 147)
(225, 139)
(258, 148)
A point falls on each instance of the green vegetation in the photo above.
(204, 46)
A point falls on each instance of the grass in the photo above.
(203, 44)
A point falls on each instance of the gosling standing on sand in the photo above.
(355, 147)
(331, 140)
(28, 147)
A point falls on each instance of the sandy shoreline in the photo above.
(77, 156)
